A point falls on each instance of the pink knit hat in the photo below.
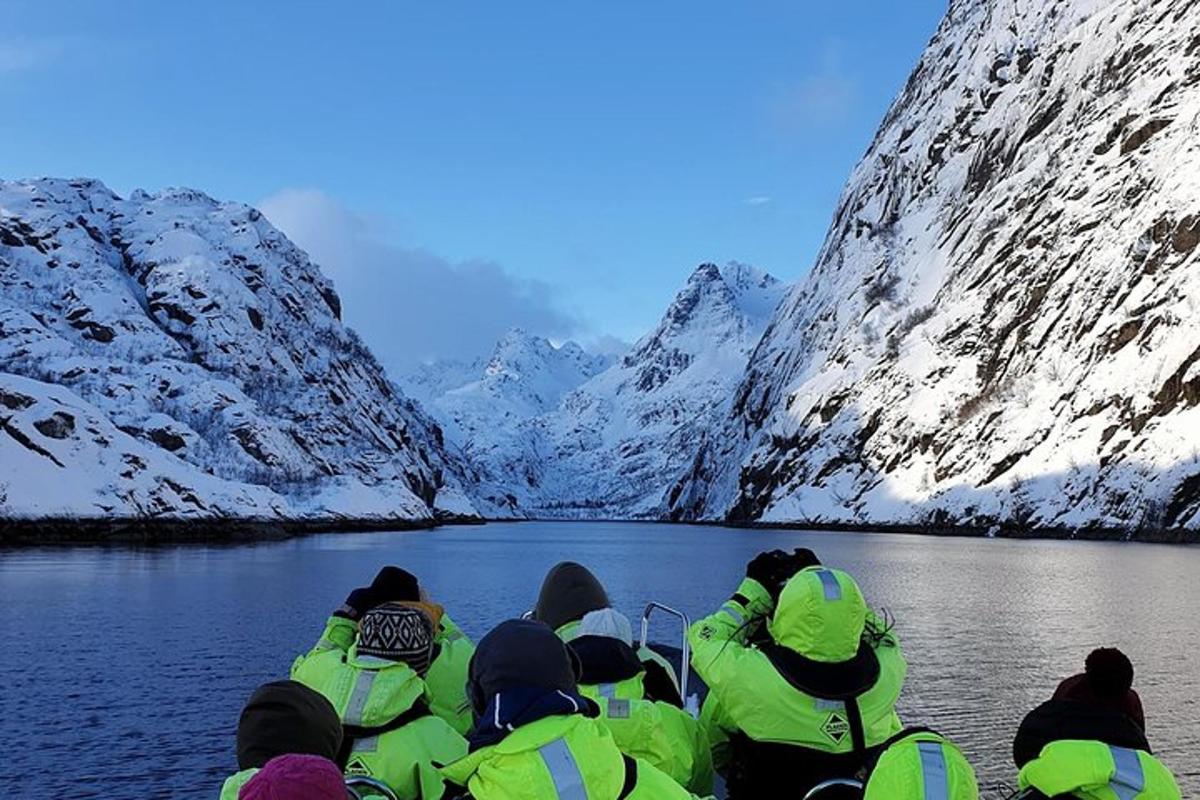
(296, 777)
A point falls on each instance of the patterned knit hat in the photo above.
(397, 633)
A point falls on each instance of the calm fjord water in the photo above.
(123, 671)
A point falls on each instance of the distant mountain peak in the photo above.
(715, 305)
(574, 434)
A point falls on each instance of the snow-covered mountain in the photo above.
(568, 438)
(525, 376)
(612, 447)
(170, 355)
(1002, 323)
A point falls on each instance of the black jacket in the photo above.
(1056, 720)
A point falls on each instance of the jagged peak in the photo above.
(59, 189)
(737, 289)
(707, 272)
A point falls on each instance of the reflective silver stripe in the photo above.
(829, 582)
(358, 697)
(608, 690)
(933, 771)
(731, 610)
(829, 705)
(1128, 780)
(568, 780)
(368, 745)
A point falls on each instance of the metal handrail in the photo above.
(685, 649)
(829, 784)
(374, 785)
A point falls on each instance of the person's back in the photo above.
(536, 737)
(376, 688)
(569, 592)
(1092, 770)
(658, 731)
(282, 718)
(803, 680)
(919, 764)
(446, 676)
(1088, 741)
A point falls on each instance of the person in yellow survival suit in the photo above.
(1088, 741)
(537, 737)
(803, 679)
(446, 677)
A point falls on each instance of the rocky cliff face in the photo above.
(172, 355)
(1002, 323)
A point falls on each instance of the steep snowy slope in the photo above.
(1002, 323)
(611, 446)
(172, 355)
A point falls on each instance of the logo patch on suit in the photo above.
(357, 767)
(836, 727)
(618, 709)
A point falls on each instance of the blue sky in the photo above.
(561, 166)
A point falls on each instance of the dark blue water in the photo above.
(123, 672)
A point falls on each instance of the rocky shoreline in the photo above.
(148, 531)
(151, 531)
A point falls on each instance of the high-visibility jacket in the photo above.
(659, 733)
(234, 783)
(446, 677)
(566, 757)
(922, 766)
(390, 731)
(753, 706)
(1091, 770)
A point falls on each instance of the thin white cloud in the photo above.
(411, 305)
(757, 200)
(22, 55)
(826, 97)
(606, 345)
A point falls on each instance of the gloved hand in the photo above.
(771, 569)
(359, 602)
(393, 584)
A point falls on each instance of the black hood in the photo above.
(520, 653)
(605, 660)
(569, 591)
(286, 717)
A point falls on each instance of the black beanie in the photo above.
(569, 592)
(393, 584)
(286, 717)
(520, 653)
(1109, 672)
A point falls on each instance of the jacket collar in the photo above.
(519, 706)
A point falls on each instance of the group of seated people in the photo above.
(801, 681)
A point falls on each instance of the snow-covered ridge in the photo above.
(1002, 322)
(172, 355)
(525, 376)
(570, 435)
